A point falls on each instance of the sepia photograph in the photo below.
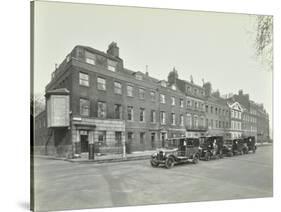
(136, 106)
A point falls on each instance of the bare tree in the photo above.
(37, 104)
(264, 39)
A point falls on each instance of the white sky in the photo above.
(215, 46)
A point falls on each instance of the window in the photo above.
(130, 90)
(173, 100)
(196, 105)
(117, 88)
(207, 123)
(83, 79)
(212, 123)
(195, 91)
(201, 123)
(142, 114)
(189, 103)
(84, 107)
(189, 120)
(111, 65)
(173, 117)
(141, 93)
(162, 99)
(90, 58)
(118, 138)
(139, 77)
(130, 136)
(101, 84)
(117, 111)
(211, 109)
(239, 115)
(219, 124)
(153, 116)
(101, 110)
(142, 136)
(153, 136)
(188, 89)
(219, 111)
(163, 84)
(216, 110)
(181, 120)
(130, 113)
(181, 102)
(163, 117)
(207, 108)
(152, 96)
(102, 137)
(195, 121)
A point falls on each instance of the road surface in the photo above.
(63, 185)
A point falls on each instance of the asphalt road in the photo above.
(62, 185)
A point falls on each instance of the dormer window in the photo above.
(90, 58)
(139, 76)
(111, 65)
(163, 84)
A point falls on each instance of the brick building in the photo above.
(112, 107)
(255, 120)
(217, 113)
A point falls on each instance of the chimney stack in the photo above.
(113, 49)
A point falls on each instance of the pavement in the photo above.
(60, 185)
(109, 158)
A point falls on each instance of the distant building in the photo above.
(217, 113)
(93, 99)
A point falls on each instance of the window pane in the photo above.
(101, 84)
(117, 88)
(101, 110)
(129, 90)
(84, 107)
(83, 79)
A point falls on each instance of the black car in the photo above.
(227, 149)
(251, 143)
(179, 150)
(211, 147)
(239, 147)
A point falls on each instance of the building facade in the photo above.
(117, 109)
(217, 113)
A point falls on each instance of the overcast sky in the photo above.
(216, 47)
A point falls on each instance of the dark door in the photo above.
(163, 136)
(152, 140)
(84, 143)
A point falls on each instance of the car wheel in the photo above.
(207, 156)
(153, 163)
(169, 162)
(195, 159)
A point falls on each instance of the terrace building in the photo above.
(92, 99)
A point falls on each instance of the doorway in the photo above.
(84, 143)
(163, 137)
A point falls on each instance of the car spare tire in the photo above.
(153, 163)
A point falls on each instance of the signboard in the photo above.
(58, 111)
